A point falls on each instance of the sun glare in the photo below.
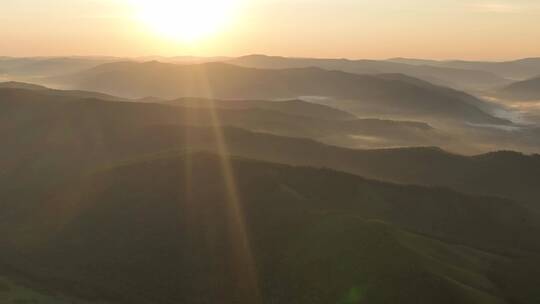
(186, 20)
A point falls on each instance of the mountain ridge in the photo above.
(224, 81)
(526, 90)
(447, 76)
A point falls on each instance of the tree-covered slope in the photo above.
(168, 228)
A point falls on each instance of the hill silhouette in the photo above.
(72, 135)
(289, 118)
(513, 69)
(365, 94)
(60, 93)
(49, 66)
(526, 90)
(447, 76)
(294, 107)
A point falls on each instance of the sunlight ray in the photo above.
(243, 262)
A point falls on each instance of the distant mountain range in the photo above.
(49, 66)
(60, 93)
(432, 72)
(470, 75)
(362, 94)
(526, 90)
(515, 69)
(292, 107)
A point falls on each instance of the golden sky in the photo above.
(442, 29)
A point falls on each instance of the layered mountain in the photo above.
(457, 73)
(48, 66)
(504, 174)
(363, 94)
(514, 69)
(21, 85)
(526, 90)
(447, 76)
(43, 90)
(287, 118)
(65, 136)
(150, 206)
(294, 107)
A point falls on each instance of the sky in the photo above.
(436, 29)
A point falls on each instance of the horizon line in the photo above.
(509, 59)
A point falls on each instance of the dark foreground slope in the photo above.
(182, 229)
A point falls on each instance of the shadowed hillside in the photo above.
(58, 93)
(290, 118)
(66, 135)
(164, 229)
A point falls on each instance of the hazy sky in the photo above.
(469, 29)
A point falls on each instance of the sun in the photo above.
(186, 20)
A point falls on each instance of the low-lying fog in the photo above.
(520, 134)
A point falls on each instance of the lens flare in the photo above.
(186, 20)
